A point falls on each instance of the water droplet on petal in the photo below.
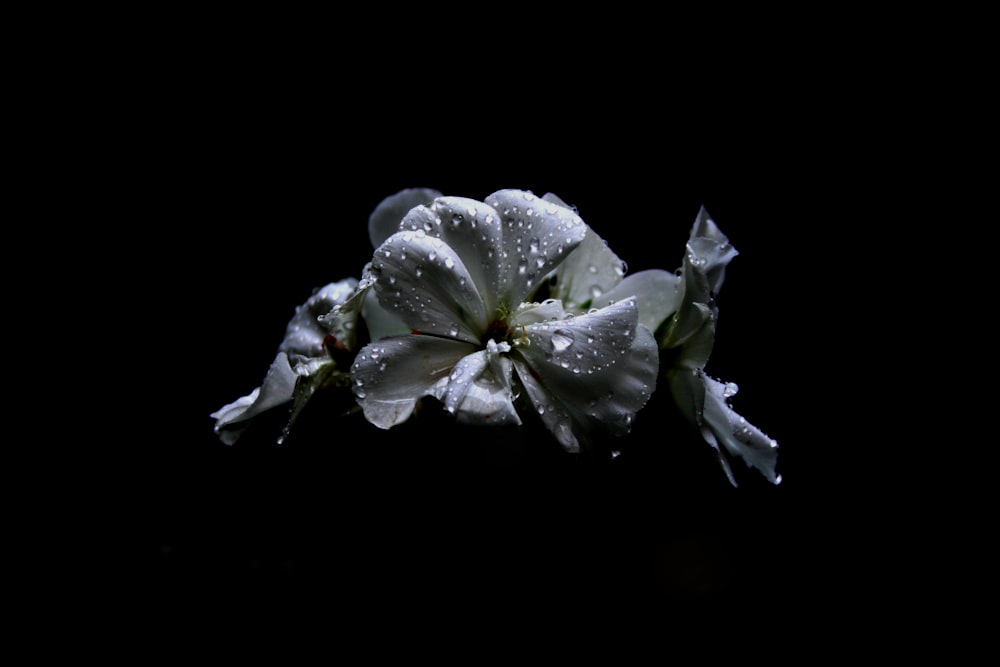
(561, 340)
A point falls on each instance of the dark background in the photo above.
(245, 182)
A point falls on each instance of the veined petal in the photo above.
(472, 229)
(655, 290)
(537, 237)
(277, 389)
(305, 332)
(390, 376)
(587, 273)
(423, 280)
(386, 218)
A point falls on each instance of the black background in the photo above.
(245, 181)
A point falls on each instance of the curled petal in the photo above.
(709, 249)
(531, 313)
(277, 389)
(390, 376)
(479, 391)
(426, 284)
(305, 332)
(385, 219)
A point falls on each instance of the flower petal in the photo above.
(587, 273)
(385, 219)
(473, 230)
(390, 376)
(479, 388)
(710, 250)
(381, 322)
(421, 279)
(655, 290)
(708, 407)
(277, 389)
(537, 237)
(305, 332)
(590, 373)
(584, 344)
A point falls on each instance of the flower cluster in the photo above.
(505, 309)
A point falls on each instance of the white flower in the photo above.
(464, 276)
(302, 365)
(686, 342)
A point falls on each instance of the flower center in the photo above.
(498, 331)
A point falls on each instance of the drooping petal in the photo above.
(390, 376)
(738, 436)
(385, 219)
(706, 403)
(422, 279)
(591, 373)
(551, 411)
(473, 230)
(655, 290)
(478, 390)
(306, 331)
(537, 237)
(587, 273)
(277, 389)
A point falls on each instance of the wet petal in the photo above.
(385, 219)
(587, 273)
(551, 410)
(591, 373)
(277, 389)
(530, 313)
(479, 388)
(421, 279)
(537, 237)
(655, 290)
(582, 345)
(390, 376)
(706, 403)
(738, 436)
(306, 331)
(381, 322)
(472, 229)
(710, 250)
(342, 319)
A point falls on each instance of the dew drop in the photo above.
(561, 340)
(730, 390)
